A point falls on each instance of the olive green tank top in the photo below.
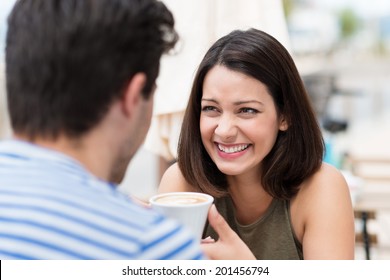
(270, 238)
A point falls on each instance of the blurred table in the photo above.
(373, 201)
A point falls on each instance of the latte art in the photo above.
(188, 208)
(180, 199)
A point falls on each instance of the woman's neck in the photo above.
(250, 199)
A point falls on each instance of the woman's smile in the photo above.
(231, 151)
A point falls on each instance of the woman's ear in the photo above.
(133, 92)
(283, 125)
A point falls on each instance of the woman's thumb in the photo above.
(219, 224)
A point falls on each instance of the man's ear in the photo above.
(133, 93)
(283, 125)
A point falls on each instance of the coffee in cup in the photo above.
(180, 199)
(188, 208)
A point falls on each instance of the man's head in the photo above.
(67, 61)
(80, 75)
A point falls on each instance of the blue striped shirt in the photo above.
(53, 208)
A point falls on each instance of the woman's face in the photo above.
(238, 122)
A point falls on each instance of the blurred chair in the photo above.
(320, 87)
(375, 197)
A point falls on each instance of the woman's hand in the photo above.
(229, 244)
(140, 201)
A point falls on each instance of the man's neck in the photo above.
(85, 150)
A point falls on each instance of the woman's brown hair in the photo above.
(298, 151)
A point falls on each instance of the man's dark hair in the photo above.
(68, 60)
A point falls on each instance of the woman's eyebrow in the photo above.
(248, 101)
(210, 100)
(237, 103)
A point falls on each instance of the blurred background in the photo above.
(342, 50)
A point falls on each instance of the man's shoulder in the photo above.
(157, 236)
(63, 212)
(88, 222)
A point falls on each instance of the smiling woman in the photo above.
(251, 139)
(239, 122)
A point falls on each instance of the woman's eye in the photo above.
(248, 111)
(208, 108)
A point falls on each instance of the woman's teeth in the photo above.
(232, 149)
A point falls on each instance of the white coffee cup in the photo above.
(188, 208)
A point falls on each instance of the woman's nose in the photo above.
(226, 128)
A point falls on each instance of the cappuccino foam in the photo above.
(180, 199)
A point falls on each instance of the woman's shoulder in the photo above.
(327, 179)
(324, 200)
(174, 181)
(327, 184)
(323, 194)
